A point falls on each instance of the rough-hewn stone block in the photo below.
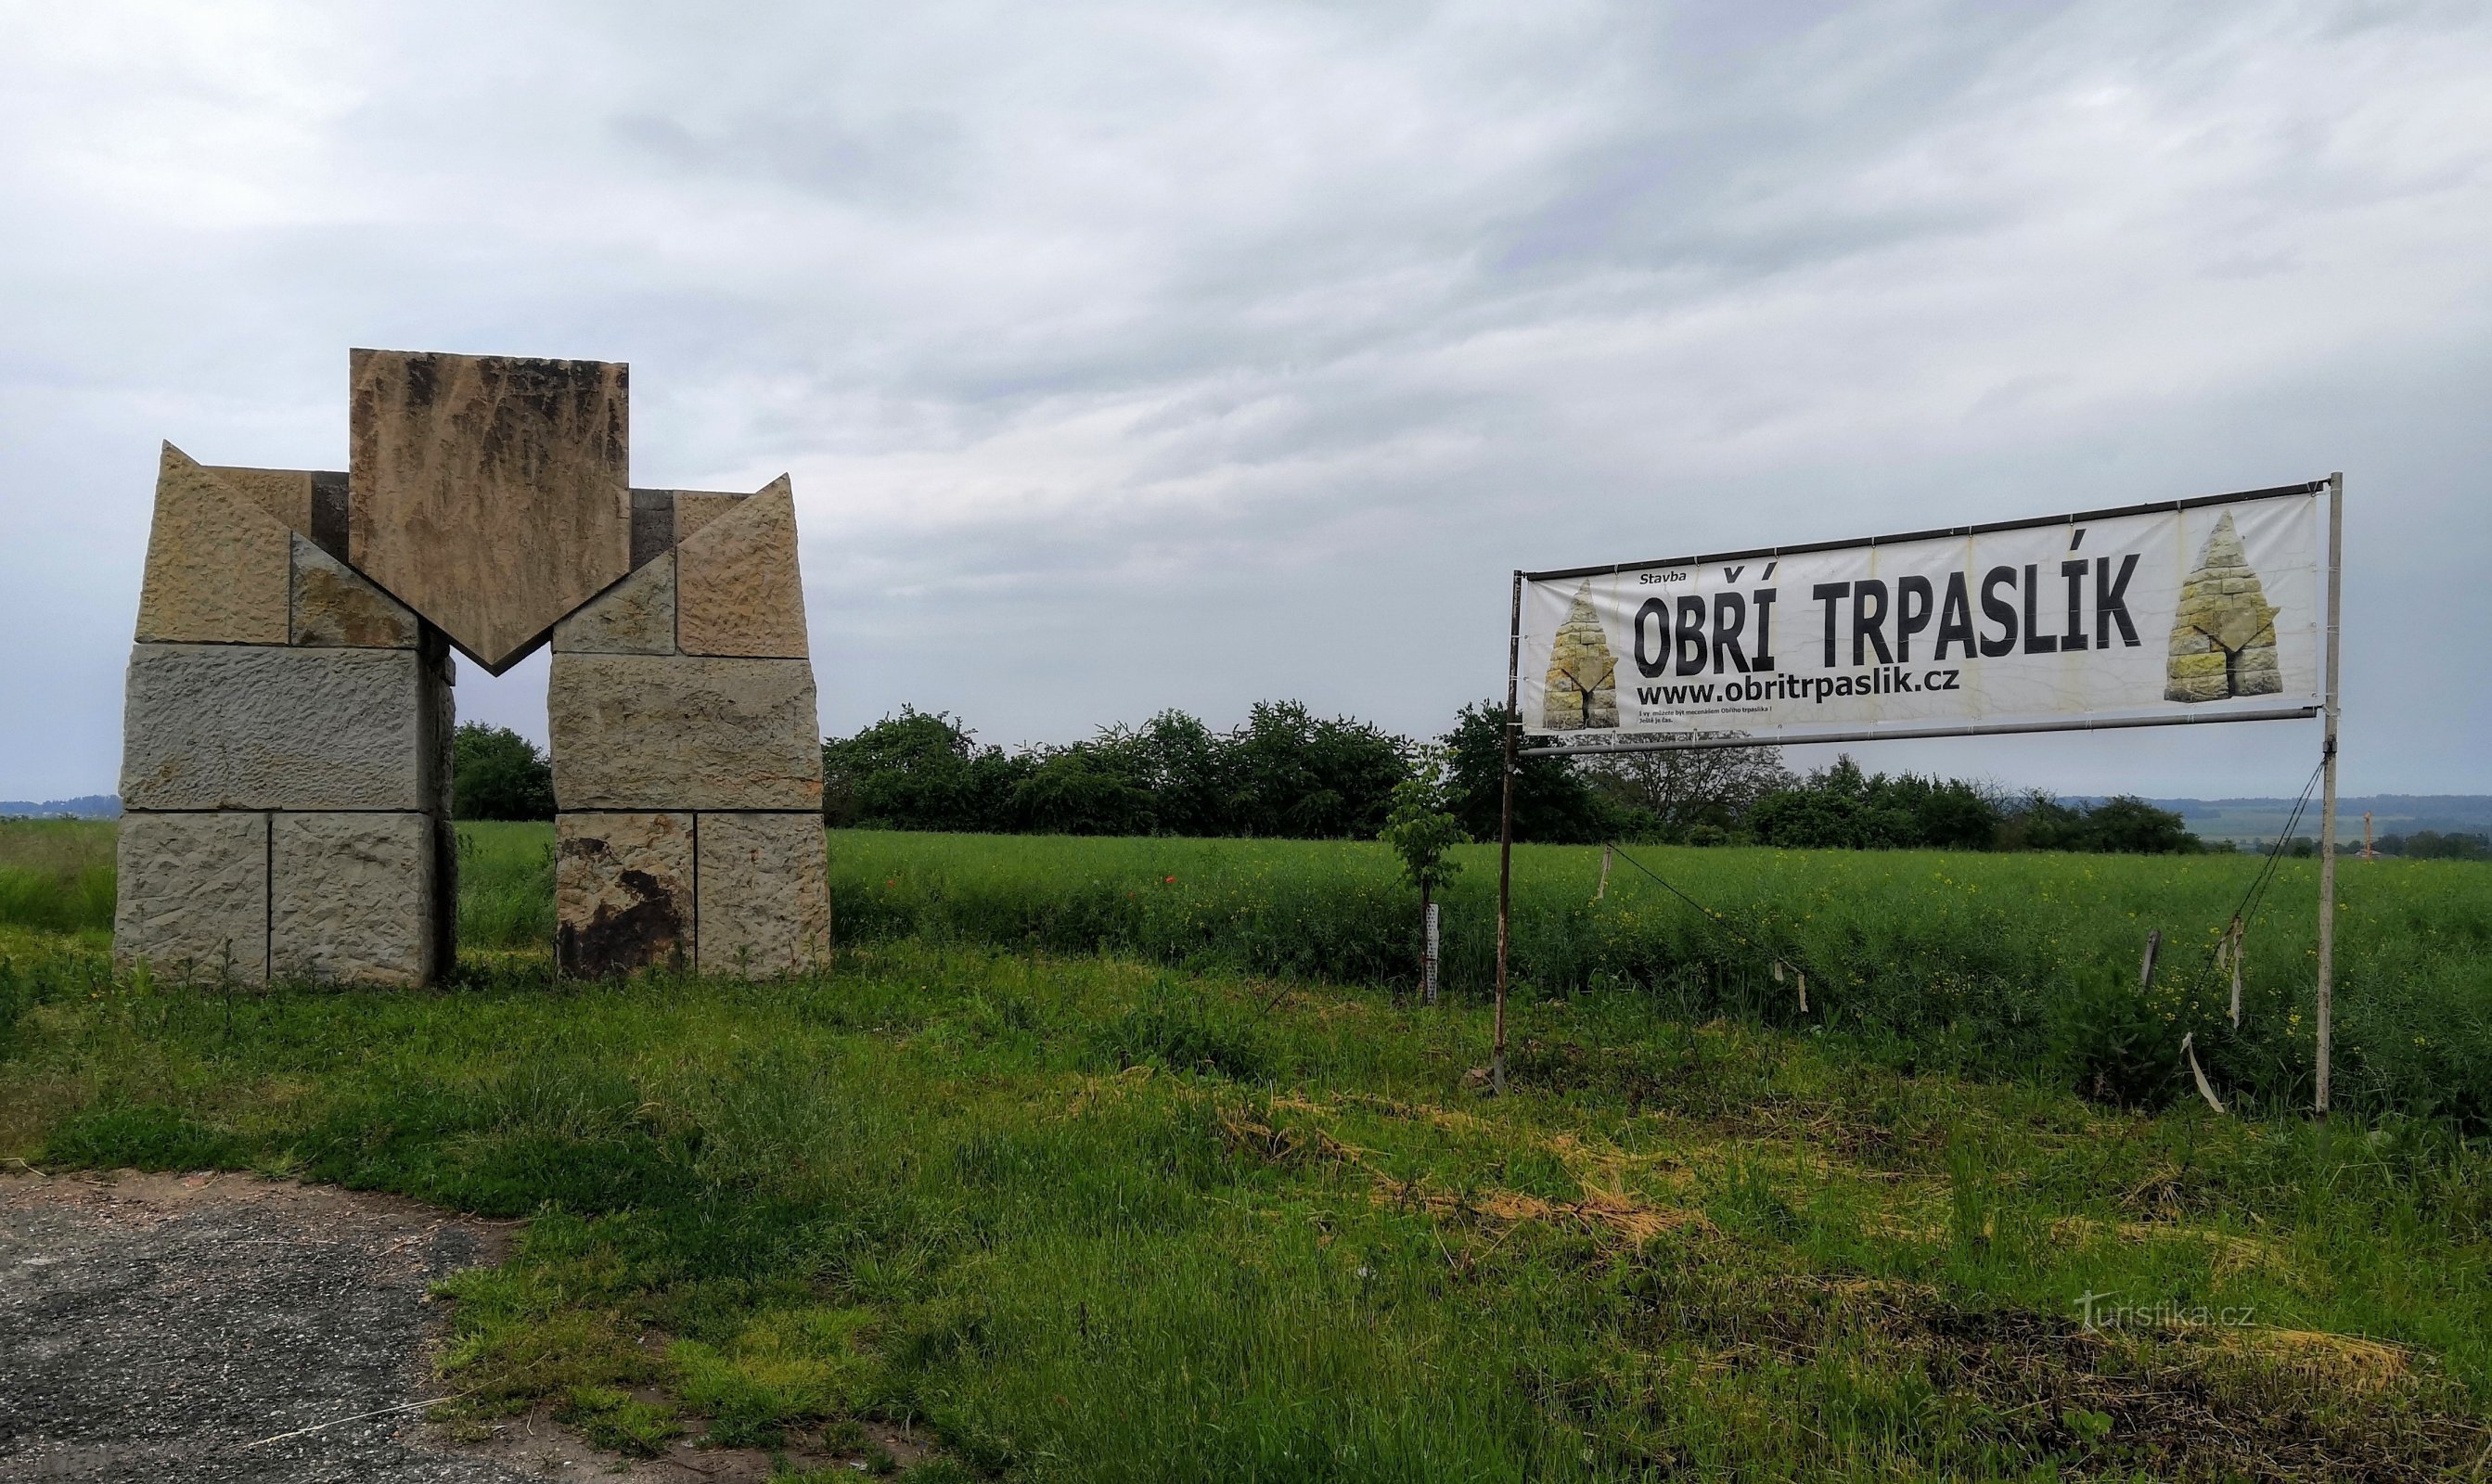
(286, 494)
(653, 525)
(645, 731)
(490, 492)
(623, 892)
(352, 898)
(336, 607)
(218, 565)
(634, 616)
(738, 589)
(193, 894)
(765, 899)
(696, 508)
(243, 727)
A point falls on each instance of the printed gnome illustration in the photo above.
(2224, 633)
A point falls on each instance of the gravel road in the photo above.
(164, 1328)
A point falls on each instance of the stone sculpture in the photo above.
(2223, 633)
(286, 774)
(1582, 685)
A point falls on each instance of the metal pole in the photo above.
(2327, 803)
(1505, 831)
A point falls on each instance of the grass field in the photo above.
(1197, 1207)
(2025, 963)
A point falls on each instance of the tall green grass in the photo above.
(2013, 963)
(56, 875)
(1083, 1219)
(2022, 963)
(505, 885)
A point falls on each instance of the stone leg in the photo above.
(193, 898)
(687, 755)
(352, 897)
(623, 893)
(765, 895)
(285, 755)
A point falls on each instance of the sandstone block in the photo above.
(647, 731)
(286, 494)
(634, 616)
(623, 892)
(653, 525)
(336, 607)
(217, 566)
(738, 589)
(765, 898)
(193, 894)
(438, 676)
(696, 508)
(244, 726)
(353, 898)
(490, 492)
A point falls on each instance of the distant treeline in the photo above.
(2432, 844)
(1286, 773)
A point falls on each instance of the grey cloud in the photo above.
(1133, 355)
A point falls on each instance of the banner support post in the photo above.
(1506, 830)
(2328, 799)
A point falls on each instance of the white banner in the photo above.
(2201, 610)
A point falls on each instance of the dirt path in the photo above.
(158, 1327)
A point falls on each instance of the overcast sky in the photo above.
(1139, 356)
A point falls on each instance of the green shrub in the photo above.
(2112, 1042)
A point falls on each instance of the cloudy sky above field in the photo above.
(1137, 356)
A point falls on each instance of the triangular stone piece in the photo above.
(284, 494)
(738, 590)
(218, 565)
(310, 502)
(634, 616)
(696, 508)
(334, 608)
(490, 493)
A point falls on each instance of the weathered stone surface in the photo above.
(634, 616)
(623, 892)
(646, 732)
(696, 508)
(352, 898)
(286, 494)
(653, 525)
(334, 608)
(194, 891)
(439, 678)
(489, 491)
(1582, 682)
(765, 898)
(218, 565)
(244, 726)
(738, 589)
(2223, 632)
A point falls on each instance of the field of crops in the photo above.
(1134, 1160)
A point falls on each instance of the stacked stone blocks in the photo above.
(687, 758)
(287, 772)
